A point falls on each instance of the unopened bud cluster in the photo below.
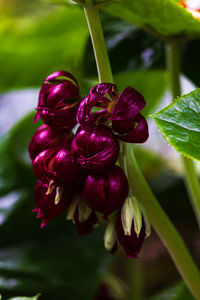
(78, 172)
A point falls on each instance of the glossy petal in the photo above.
(45, 138)
(45, 204)
(130, 133)
(40, 165)
(95, 151)
(68, 173)
(58, 101)
(131, 244)
(106, 192)
(129, 103)
(101, 96)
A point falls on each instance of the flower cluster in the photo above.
(78, 171)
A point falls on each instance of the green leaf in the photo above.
(33, 47)
(152, 84)
(180, 124)
(164, 17)
(178, 292)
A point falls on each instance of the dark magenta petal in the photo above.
(87, 226)
(129, 103)
(101, 90)
(45, 204)
(67, 172)
(58, 102)
(88, 119)
(44, 138)
(138, 134)
(66, 76)
(40, 165)
(106, 192)
(100, 96)
(95, 151)
(131, 244)
(59, 119)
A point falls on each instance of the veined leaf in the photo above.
(180, 124)
(165, 17)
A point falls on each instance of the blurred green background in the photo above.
(36, 39)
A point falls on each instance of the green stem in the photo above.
(191, 177)
(163, 225)
(139, 186)
(98, 42)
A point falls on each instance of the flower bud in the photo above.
(57, 165)
(110, 236)
(96, 151)
(42, 139)
(132, 243)
(84, 218)
(106, 192)
(45, 205)
(130, 212)
(58, 101)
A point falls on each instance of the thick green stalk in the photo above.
(139, 186)
(98, 42)
(163, 225)
(191, 177)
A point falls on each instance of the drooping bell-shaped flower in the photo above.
(96, 108)
(45, 138)
(127, 121)
(56, 166)
(47, 206)
(107, 191)
(95, 151)
(58, 102)
(132, 242)
(85, 227)
(82, 216)
(66, 172)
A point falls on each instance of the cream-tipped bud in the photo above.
(110, 236)
(137, 216)
(127, 215)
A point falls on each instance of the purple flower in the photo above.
(127, 121)
(95, 151)
(85, 227)
(45, 203)
(106, 192)
(102, 96)
(133, 130)
(56, 165)
(58, 101)
(45, 138)
(132, 244)
(129, 103)
(123, 110)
